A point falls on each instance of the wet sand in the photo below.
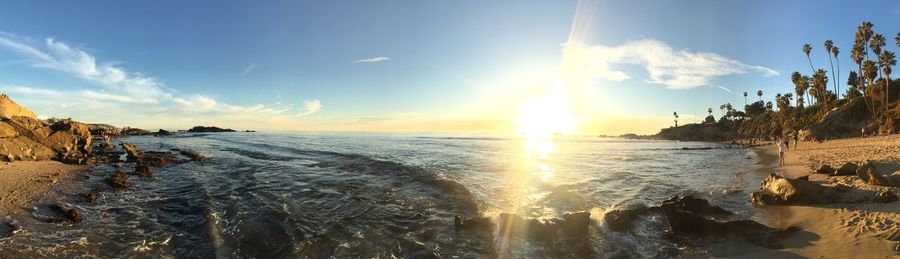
(25, 184)
(866, 230)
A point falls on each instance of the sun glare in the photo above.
(547, 115)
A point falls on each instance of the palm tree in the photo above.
(876, 44)
(887, 60)
(759, 93)
(806, 49)
(870, 70)
(798, 87)
(676, 118)
(709, 110)
(897, 39)
(829, 45)
(745, 99)
(864, 34)
(806, 82)
(820, 83)
(837, 79)
(857, 54)
(853, 82)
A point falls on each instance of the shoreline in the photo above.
(29, 183)
(861, 230)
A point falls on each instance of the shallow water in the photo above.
(277, 195)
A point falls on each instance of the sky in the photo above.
(600, 67)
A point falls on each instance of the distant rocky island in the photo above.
(209, 129)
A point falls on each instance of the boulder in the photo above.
(92, 195)
(825, 169)
(133, 153)
(143, 170)
(805, 178)
(777, 190)
(23, 148)
(846, 169)
(483, 223)
(68, 212)
(9, 229)
(119, 181)
(692, 220)
(570, 225)
(9, 108)
(194, 155)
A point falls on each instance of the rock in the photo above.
(9, 108)
(98, 129)
(119, 181)
(209, 129)
(825, 169)
(133, 153)
(92, 195)
(143, 170)
(163, 132)
(28, 139)
(128, 131)
(777, 190)
(483, 223)
(620, 219)
(9, 229)
(685, 221)
(846, 169)
(805, 178)
(885, 196)
(69, 213)
(844, 121)
(695, 205)
(571, 225)
(194, 155)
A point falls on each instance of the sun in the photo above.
(547, 115)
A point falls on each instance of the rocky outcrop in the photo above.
(845, 121)
(128, 131)
(689, 216)
(698, 132)
(209, 129)
(67, 213)
(571, 225)
(24, 138)
(846, 169)
(197, 157)
(777, 190)
(119, 181)
(9, 109)
(825, 169)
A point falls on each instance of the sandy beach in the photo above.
(27, 183)
(864, 230)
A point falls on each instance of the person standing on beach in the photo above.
(781, 149)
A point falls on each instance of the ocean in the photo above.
(342, 195)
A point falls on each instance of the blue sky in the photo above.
(436, 66)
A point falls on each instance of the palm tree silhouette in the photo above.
(806, 49)
(837, 79)
(887, 60)
(745, 98)
(829, 45)
(870, 70)
(759, 93)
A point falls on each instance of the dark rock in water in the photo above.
(194, 155)
(483, 223)
(9, 229)
(163, 132)
(695, 205)
(825, 169)
(128, 131)
(885, 196)
(143, 170)
(67, 211)
(159, 159)
(571, 225)
(209, 129)
(621, 219)
(119, 181)
(92, 195)
(690, 220)
(846, 169)
(132, 151)
(777, 190)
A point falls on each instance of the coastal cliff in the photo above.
(24, 137)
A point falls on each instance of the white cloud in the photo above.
(676, 69)
(310, 107)
(124, 97)
(372, 60)
(248, 69)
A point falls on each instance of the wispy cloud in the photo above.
(121, 95)
(676, 69)
(310, 107)
(249, 68)
(372, 60)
